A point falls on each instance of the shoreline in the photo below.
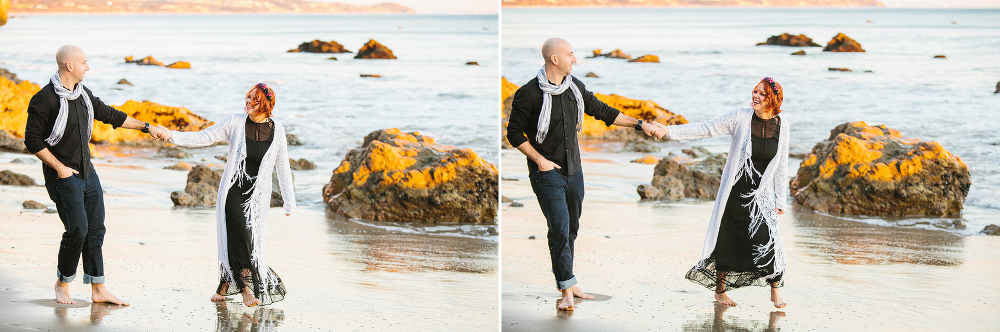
(841, 273)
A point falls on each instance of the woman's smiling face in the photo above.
(758, 97)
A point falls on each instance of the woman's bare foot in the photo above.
(217, 297)
(577, 292)
(62, 293)
(724, 299)
(567, 302)
(776, 298)
(100, 294)
(248, 298)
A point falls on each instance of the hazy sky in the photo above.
(438, 6)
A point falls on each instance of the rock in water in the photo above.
(301, 164)
(991, 229)
(125, 82)
(373, 50)
(616, 54)
(319, 46)
(32, 205)
(787, 39)
(8, 177)
(292, 140)
(591, 74)
(649, 159)
(148, 61)
(180, 65)
(201, 190)
(940, 57)
(395, 176)
(799, 52)
(673, 179)
(998, 88)
(874, 170)
(647, 58)
(843, 43)
(472, 63)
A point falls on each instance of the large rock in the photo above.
(616, 54)
(991, 229)
(9, 75)
(842, 43)
(647, 110)
(201, 190)
(319, 46)
(373, 50)
(673, 178)
(301, 164)
(174, 118)
(180, 65)
(147, 61)
(874, 170)
(507, 90)
(292, 140)
(8, 177)
(9, 142)
(395, 176)
(32, 205)
(4, 6)
(14, 98)
(787, 39)
(998, 88)
(647, 58)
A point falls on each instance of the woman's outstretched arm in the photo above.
(720, 125)
(219, 132)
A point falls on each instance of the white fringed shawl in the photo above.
(232, 130)
(771, 192)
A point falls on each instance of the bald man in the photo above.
(545, 117)
(60, 122)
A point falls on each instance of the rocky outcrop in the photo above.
(174, 118)
(8, 177)
(991, 229)
(180, 166)
(787, 39)
(301, 164)
(874, 170)
(180, 65)
(32, 205)
(9, 75)
(292, 140)
(201, 190)
(319, 46)
(373, 50)
(647, 58)
(395, 176)
(998, 88)
(616, 54)
(646, 110)
(676, 178)
(14, 98)
(472, 63)
(4, 6)
(591, 74)
(10, 143)
(147, 61)
(940, 57)
(799, 52)
(124, 82)
(842, 43)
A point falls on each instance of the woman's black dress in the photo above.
(239, 239)
(734, 249)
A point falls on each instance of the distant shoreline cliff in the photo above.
(198, 7)
(692, 3)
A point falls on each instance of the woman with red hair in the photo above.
(743, 246)
(257, 147)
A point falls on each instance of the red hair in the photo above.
(773, 95)
(262, 95)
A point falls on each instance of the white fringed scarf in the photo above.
(65, 94)
(550, 89)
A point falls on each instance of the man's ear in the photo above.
(554, 59)
(69, 67)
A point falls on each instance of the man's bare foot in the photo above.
(217, 297)
(776, 298)
(724, 299)
(98, 294)
(579, 293)
(62, 293)
(567, 302)
(248, 298)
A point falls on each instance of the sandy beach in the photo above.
(842, 274)
(340, 274)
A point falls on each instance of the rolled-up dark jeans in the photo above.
(560, 197)
(80, 203)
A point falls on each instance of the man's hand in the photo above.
(654, 129)
(546, 165)
(65, 172)
(160, 132)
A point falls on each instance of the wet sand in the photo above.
(340, 274)
(841, 274)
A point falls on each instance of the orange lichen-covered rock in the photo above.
(646, 110)
(373, 50)
(174, 118)
(147, 61)
(616, 54)
(14, 100)
(842, 43)
(396, 176)
(180, 65)
(874, 170)
(787, 39)
(319, 46)
(647, 58)
(648, 159)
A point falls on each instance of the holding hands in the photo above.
(654, 129)
(160, 132)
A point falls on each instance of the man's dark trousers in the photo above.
(80, 203)
(560, 197)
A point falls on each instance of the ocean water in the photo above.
(429, 88)
(709, 64)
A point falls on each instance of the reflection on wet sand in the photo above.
(716, 323)
(242, 319)
(382, 250)
(98, 311)
(857, 243)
